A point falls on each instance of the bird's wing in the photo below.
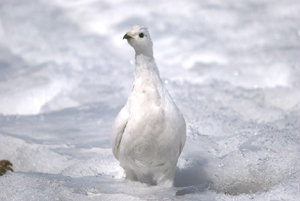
(183, 135)
(118, 129)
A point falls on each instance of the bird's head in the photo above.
(139, 38)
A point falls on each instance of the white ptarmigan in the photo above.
(149, 133)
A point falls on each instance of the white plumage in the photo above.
(149, 133)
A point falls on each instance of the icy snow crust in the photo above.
(233, 69)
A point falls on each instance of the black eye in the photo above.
(141, 35)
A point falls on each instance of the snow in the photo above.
(236, 82)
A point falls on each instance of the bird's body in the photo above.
(149, 133)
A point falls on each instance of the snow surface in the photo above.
(233, 69)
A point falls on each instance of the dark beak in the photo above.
(126, 36)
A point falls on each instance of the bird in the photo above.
(149, 133)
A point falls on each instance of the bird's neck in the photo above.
(145, 66)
